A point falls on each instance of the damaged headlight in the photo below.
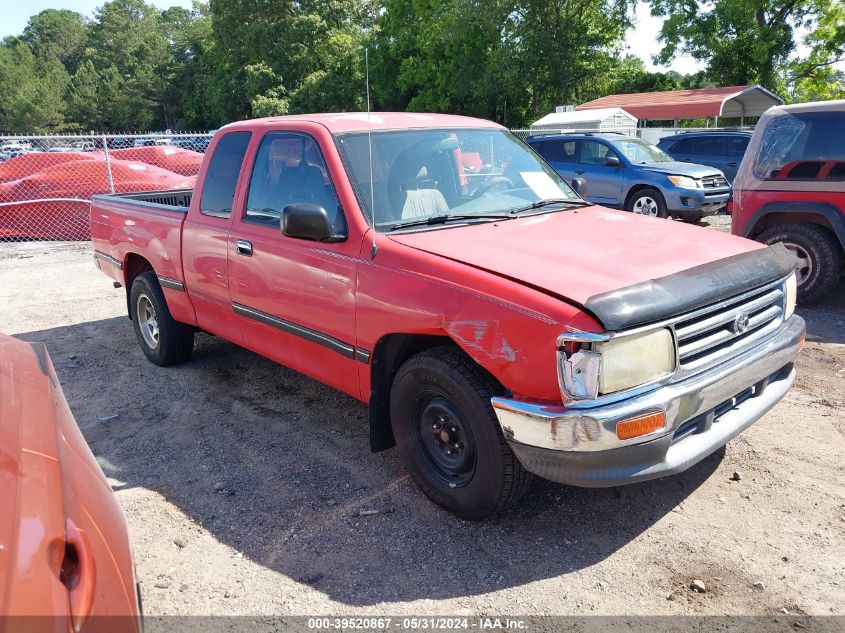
(616, 364)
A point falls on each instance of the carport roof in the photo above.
(730, 101)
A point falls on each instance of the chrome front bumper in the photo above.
(703, 412)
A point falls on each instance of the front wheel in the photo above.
(449, 437)
(693, 218)
(163, 340)
(648, 202)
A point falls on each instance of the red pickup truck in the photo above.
(436, 268)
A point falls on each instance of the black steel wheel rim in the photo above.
(445, 440)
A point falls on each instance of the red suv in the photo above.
(791, 188)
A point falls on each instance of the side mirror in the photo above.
(308, 222)
(612, 161)
(579, 185)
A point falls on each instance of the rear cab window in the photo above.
(221, 180)
(802, 146)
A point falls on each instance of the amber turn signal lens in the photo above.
(641, 425)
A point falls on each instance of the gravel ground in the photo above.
(243, 482)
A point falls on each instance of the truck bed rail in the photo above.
(173, 200)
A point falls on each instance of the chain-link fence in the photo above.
(46, 182)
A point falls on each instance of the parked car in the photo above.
(633, 174)
(496, 323)
(12, 149)
(193, 143)
(64, 544)
(723, 149)
(16, 146)
(791, 189)
(80, 146)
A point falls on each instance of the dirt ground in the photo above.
(243, 482)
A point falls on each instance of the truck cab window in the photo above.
(218, 191)
(289, 169)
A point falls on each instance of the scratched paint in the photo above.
(483, 339)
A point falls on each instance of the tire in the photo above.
(440, 401)
(693, 218)
(650, 200)
(820, 256)
(163, 340)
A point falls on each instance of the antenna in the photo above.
(374, 249)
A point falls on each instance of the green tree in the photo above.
(510, 60)
(83, 100)
(287, 54)
(630, 76)
(753, 41)
(58, 33)
(33, 89)
(129, 35)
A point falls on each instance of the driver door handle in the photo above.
(579, 171)
(243, 247)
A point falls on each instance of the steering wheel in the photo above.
(494, 181)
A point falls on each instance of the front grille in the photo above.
(712, 182)
(724, 329)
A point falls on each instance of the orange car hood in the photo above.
(49, 477)
(32, 525)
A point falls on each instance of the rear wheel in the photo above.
(449, 437)
(818, 256)
(648, 202)
(163, 340)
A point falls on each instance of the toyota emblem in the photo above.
(740, 323)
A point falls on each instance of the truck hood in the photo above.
(678, 168)
(580, 253)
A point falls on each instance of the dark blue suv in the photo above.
(633, 174)
(723, 149)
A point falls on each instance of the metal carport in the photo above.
(673, 105)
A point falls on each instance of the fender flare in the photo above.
(639, 184)
(826, 210)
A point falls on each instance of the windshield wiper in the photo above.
(443, 219)
(548, 201)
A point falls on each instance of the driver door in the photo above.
(294, 298)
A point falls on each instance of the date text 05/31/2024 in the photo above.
(416, 623)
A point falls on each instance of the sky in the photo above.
(641, 40)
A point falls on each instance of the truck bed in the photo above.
(128, 228)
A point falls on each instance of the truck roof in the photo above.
(360, 122)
